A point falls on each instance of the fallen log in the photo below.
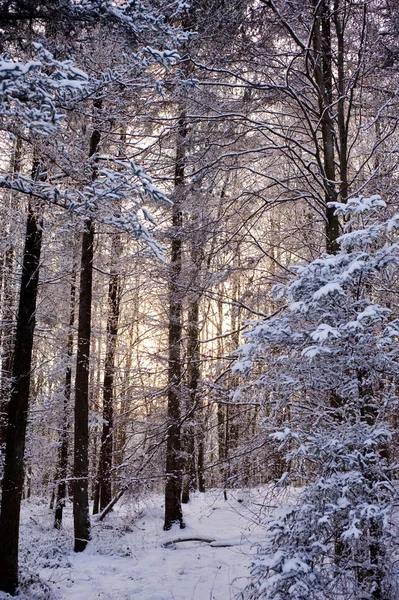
(187, 539)
(211, 541)
(110, 506)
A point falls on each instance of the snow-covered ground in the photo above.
(126, 559)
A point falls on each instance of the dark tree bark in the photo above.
(222, 409)
(8, 314)
(324, 77)
(104, 482)
(192, 434)
(81, 517)
(201, 454)
(193, 376)
(341, 117)
(18, 407)
(64, 441)
(173, 487)
(331, 123)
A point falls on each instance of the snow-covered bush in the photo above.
(330, 382)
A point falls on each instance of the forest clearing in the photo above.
(127, 559)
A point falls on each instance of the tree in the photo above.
(103, 492)
(62, 469)
(309, 133)
(173, 487)
(18, 407)
(335, 401)
(81, 516)
(40, 115)
(8, 311)
(31, 95)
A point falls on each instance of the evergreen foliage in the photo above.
(329, 368)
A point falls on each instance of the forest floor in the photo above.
(126, 559)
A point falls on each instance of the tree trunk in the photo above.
(64, 446)
(18, 407)
(193, 375)
(8, 313)
(81, 517)
(222, 413)
(105, 462)
(341, 117)
(173, 487)
(81, 451)
(323, 77)
(201, 455)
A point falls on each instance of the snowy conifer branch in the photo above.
(331, 381)
(116, 198)
(30, 92)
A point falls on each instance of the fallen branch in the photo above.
(222, 544)
(211, 541)
(111, 504)
(188, 539)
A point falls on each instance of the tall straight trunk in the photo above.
(173, 486)
(233, 412)
(13, 478)
(201, 453)
(222, 409)
(324, 77)
(94, 387)
(8, 311)
(193, 376)
(120, 432)
(62, 469)
(341, 118)
(107, 436)
(81, 517)
(192, 435)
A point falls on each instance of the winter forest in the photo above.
(199, 279)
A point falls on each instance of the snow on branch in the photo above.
(357, 206)
(116, 198)
(30, 92)
(326, 372)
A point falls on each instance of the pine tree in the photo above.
(332, 374)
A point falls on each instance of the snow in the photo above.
(312, 351)
(360, 237)
(371, 312)
(295, 564)
(357, 206)
(353, 531)
(393, 223)
(126, 559)
(330, 288)
(323, 332)
(281, 436)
